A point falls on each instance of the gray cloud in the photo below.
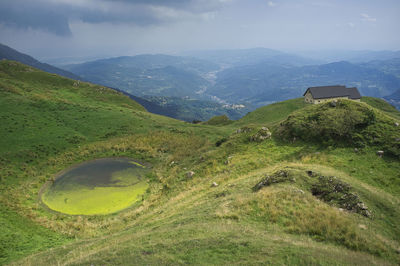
(54, 16)
(31, 15)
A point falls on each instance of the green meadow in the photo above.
(198, 204)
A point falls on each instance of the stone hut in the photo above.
(323, 94)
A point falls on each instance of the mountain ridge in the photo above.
(7, 52)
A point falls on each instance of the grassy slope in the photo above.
(186, 221)
(382, 105)
(272, 113)
(46, 124)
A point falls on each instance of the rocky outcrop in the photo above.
(277, 177)
(332, 190)
(261, 135)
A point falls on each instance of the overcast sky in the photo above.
(62, 28)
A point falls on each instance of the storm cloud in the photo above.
(105, 28)
(55, 16)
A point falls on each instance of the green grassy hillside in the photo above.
(344, 123)
(314, 204)
(382, 105)
(273, 113)
(49, 123)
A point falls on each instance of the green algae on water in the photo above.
(102, 186)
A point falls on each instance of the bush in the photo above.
(346, 123)
(219, 142)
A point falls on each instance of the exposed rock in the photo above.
(355, 150)
(396, 124)
(380, 153)
(190, 174)
(334, 191)
(362, 226)
(277, 177)
(261, 135)
(214, 184)
(333, 103)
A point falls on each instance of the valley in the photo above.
(200, 206)
(251, 77)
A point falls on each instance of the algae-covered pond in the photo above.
(102, 186)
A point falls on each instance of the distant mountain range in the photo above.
(11, 54)
(160, 75)
(253, 77)
(242, 57)
(394, 99)
(350, 55)
(185, 72)
(389, 66)
(265, 82)
(182, 86)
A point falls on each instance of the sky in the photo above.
(49, 29)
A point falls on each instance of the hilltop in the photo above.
(223, 192)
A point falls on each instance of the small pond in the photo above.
(101, 186)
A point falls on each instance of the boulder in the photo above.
(190, 174)
(261, 135)
(278, 177)
(214, 184)
(380, 153)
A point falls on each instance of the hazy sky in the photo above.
(61, 28)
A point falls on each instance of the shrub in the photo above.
(347, 123)
(220, 141)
